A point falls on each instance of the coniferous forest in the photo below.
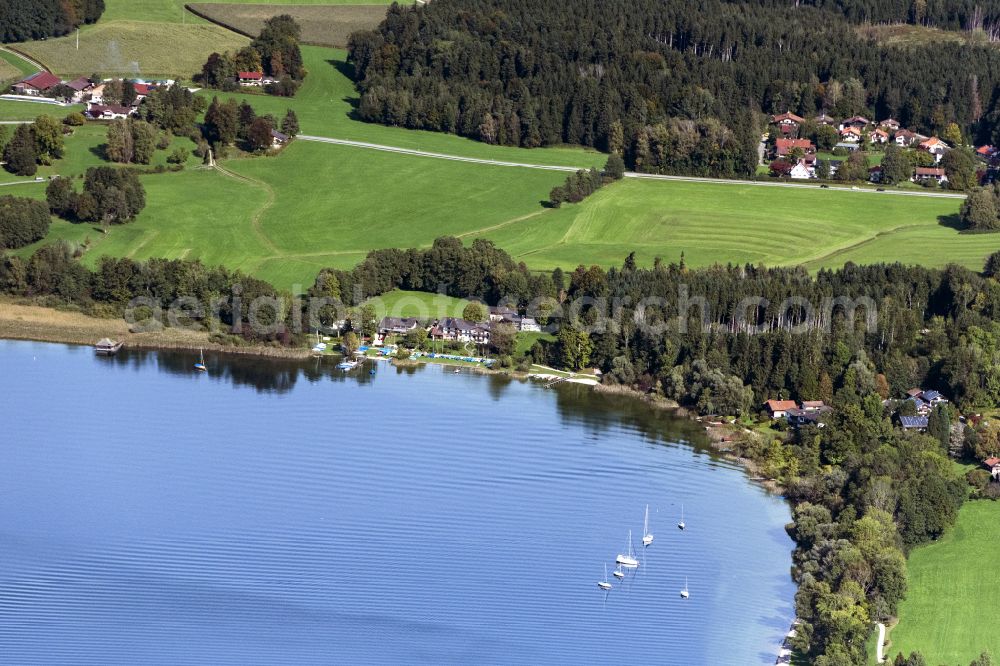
(23, 20)
(674, 87)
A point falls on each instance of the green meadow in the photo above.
(950, 613)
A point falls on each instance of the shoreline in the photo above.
(29, 322)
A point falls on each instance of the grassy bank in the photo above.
(950, 613)
(32, 322)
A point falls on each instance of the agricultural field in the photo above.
(172, 11)
(722, 223)
(322, 25)
(134, 48)
(950, 613)
(419, 304)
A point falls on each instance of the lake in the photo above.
(277, 512)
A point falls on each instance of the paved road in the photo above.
(881, 641)
(628, 174)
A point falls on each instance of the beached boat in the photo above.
(647, 538)
(347, 365)
(627, 559)
(603, 583)
(107, 347)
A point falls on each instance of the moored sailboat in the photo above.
(627, 559)
(647, 537)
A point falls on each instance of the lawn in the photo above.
(24, 110)
(324, 25)
(423, 306)
(951, 614)
(140, 49)
(724, 223)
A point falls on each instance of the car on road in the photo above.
(880, 189)
(825, 186)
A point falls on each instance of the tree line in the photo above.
(673, 88)
(274, 53)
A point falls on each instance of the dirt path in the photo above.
(255, 221)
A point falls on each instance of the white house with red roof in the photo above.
(108, 111)
(850, 134)
(993, 465)
(935, 147)
(783, 147)
(37, 84)
(878, 136)
(778, 408)
(857, 122)
(889, 124)
(250, 78)
(787, 118)
(930, 173)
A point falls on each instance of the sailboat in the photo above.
(200, 365)
(618, 573)
(647, 538)
(627, 559)
(604, 584)
(684, 593)
(681, 524)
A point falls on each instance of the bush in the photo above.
(74, 119)
(178, 156)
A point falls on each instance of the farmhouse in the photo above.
(787, 118)
(784, 147)
(142, 90)
(993, 465)
(250, 78)
(529, 325)
(37, 84)
(278, 139)
(905, 138)
(502, 313)
(803, 169)
(889, 125)
(930, 173)
(80, 87)
(108, 112)
(779, 408)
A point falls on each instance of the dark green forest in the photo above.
(673, 87)
(23, 20)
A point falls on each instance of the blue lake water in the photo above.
(274, 512)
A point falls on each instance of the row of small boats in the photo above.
(628, 560)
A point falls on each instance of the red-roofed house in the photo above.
(993, 465)
(108, 112)
(823, 119)
(80, 86)
(930, 173)
(850, 134)
(250, 78)
(935, 147)
(787, 118)
(889, 124)
(778, 408)
(804, 168)
(141, 90)
(905, 138)
(986, 152)
(878, 136)
(785, 146)
(36, 84)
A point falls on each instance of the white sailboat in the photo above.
(627, 559)
(681, 524)
(604, 584)
(618, 573)
(647, 538)
(684, 593)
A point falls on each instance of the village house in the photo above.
(397, 325)
(80, 87)
(500, 313)
(850, 134)
(993, 466)
(37, 84)
(803, 169)
(787, 118)
(784, 147)
(878, 136)
(108, 112)
(250, 78)
(935, 147)
(823, 119)
(778, 409)
(857, 122)
(930, 173)
(529, 325)
(803, 416)
(875, 174)
(96, 94)
(905, 138)
(889, 125)
(142, 91)
(986, 153)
